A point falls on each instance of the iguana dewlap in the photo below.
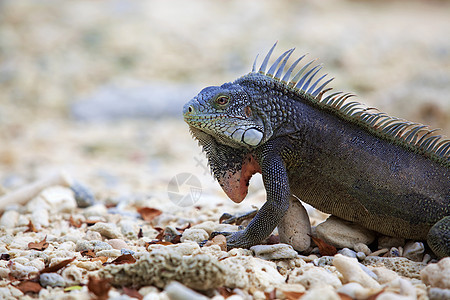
(384, 173)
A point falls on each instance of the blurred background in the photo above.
(96, 87)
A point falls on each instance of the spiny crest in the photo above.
(413, 135)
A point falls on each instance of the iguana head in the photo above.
(223, 120)
(225, 112)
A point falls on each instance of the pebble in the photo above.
(379, 252)
(39, 217)
(294, 228)
(20, 271)
(92, 235)
(400, 265)
(97, 210)
(394, 252)
(352, 272)
(9, 219)
(361, 256)
(129, 229)
(73, 275)
(437, 275)
(384, 275)
(51, 279)
(341, 233)
(109, 253)
(195, 235)
(414, 250)
(118, 244)
(177, 291)
(356, 291)
(83, 195)
(360, 247)
(438, 294)
(171, 233)
(277, 251)
(324, 292)
(107, 230)
(60, 199)
(347, 252)
(94, 245)
(310, 276)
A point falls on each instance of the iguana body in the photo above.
(386, 174)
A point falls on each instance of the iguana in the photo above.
(384, 173)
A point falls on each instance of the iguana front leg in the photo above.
(277, 188)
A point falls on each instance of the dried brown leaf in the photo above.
(158, 243)
(57, 266)
(42, 245)
(103, 259)
(182, 229)
(140, 233)
(132, 293)
(148, 213)
(89, 253)
(291, 295)
(31, 227)
(76, 224)
(225, 292)
(5, 256)
(29, 286)
(99, 287)
(324, 248)
(124, 259)
(91, 222)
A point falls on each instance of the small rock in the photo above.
(109, 253)
(171, 233)
(195, 235)
(277, 251)
(324, 292)
(51, 279)
(95, 246)
(394, 252)
(310, 277)
(379, 252)
(385, 241)
(438, 294)
(294, 227)
(177, 291)
(347, 252)
(97, 210)
(401, 265)
(60, 199)
(361, 256)
(83, 195)
(107, 230)
(129, 229)
(39, 217)
(218, 240)
(20, 271)
(426, 258)
(352, 272)
(93, 235)
(72, 275)
(384, 275)
(414, 250)
(355, 291)
(341, 233)
(9, 219)
(117, 243)
(360, 247)
(126, 251)
(323, 261)
(437, 275)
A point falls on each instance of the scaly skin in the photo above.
(325, 157)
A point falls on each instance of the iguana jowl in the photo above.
(384, 173)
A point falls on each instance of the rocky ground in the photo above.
(101, 183)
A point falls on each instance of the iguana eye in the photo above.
(222, 100)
